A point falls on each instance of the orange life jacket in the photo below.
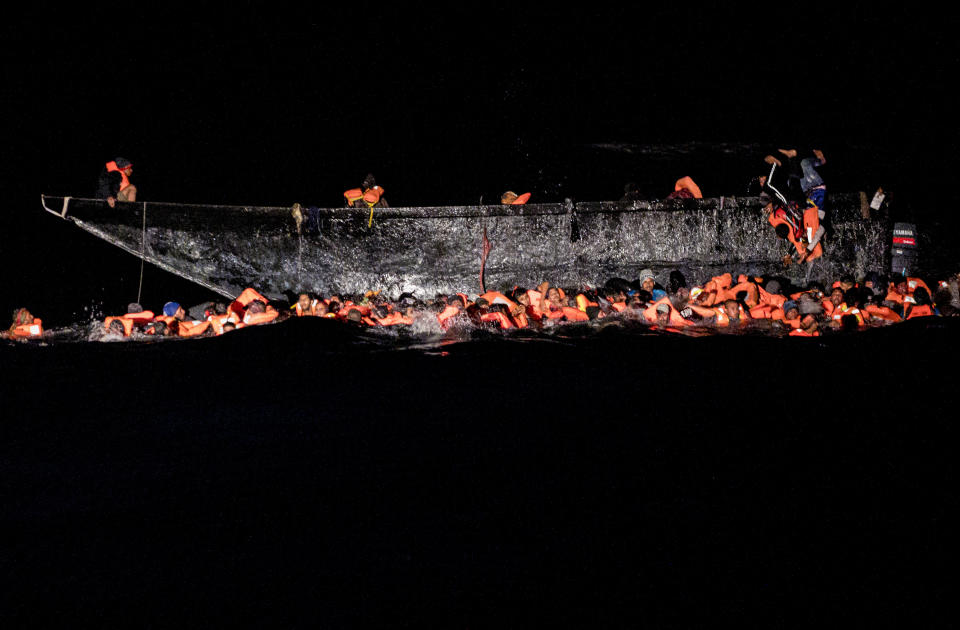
(800, 332)
(920, 311)
(774, 299)
(724, 320)
(310, 312)
(127, 324)
(573, 314)
(495, 297)
(753, 294)
(393, 318)
(193, 328)
(254, 319)
(371, 196)
(446, 314)
(843, 309)
(113, 168)
(688, 184)
(521, 200)
(915, 283)
(675, 318)
(353, 195)
(765, 311)
(583, 302)
(28, 331)
(497, 316)
(249, 295)
(140, 319)
(882, 312)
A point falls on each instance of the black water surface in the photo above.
(298, 472)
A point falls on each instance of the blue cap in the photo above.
(170, 309)
(789, 304)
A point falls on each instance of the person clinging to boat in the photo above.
(114, 184)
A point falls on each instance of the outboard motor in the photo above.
(904, 249)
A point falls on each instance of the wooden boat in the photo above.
(427, 250)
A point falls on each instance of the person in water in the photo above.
(114, 184)
(24, 326)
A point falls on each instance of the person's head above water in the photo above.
(173, 309)
(647, 281)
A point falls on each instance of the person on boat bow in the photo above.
(114, 184)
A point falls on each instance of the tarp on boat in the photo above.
(428, 250)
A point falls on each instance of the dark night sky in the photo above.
(258, 106)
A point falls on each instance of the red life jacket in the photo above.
(920, 311)
(353, 195)
(113, 168)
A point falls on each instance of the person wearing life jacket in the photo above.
(258, 312)
(848, 310)
(369, 195)
(306, 306)
(685, 188)
(511, 198)
(920, 305)
(450, 311)
(877, 313)
(171, 317)
(495, 313)
(790, 315)
(809, 327)
(118, 325)
(647, 281)
(114, 184)
(384, 316)
(800, 227)
(832, 301)
(24, 326)
(662, 313)
(135, 318)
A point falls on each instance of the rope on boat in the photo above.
(143, 242)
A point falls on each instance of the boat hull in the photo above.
(283, 251)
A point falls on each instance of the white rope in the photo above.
(143, 240)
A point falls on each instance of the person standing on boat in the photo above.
(114, 184)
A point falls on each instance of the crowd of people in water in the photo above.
(722, 302)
